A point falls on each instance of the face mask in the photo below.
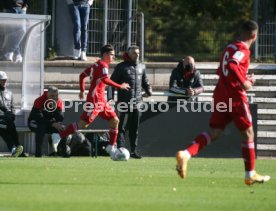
(188, 68)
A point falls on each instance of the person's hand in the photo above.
(125, 86)
(251, 78)
(58, 126)
(81, 95)
(190, 92)
(111, 103)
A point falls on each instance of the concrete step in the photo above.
(266, 143)
(266, 147)
(266, 153)
(265, 102)
(261, 140)
(266, 134)
(261, 80)
(266, 150)
(266, 114)
(266, 125)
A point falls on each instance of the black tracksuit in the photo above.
(7, 116)
(135, 75)
(180, 82)
(40, 120)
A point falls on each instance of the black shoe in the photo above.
(53, 154)
(135, 155)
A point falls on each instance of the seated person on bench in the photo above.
(46, 117)
(7, 116)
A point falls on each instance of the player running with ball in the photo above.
(98, 74)
(233, 84)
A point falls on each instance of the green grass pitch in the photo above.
(147, 184)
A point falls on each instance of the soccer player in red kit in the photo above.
(98, 73)
(231, 88)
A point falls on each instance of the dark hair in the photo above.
(106, 49)
(248, 27)
(132, 47)
(52, 89)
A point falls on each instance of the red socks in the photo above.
(200, 141)
(70, 129)
(113, 133)
(248, 154)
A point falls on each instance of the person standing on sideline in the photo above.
(7, 116)
(98, 73)
(79, 11)
(233, 84)
(132, 72)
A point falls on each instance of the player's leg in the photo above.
(243, 121)
(109, 114)
(217, 123)
(86, 119)
(113, 130)
(193, 149)
(248, 154)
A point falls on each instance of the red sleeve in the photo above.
(39, 102)
(60, 105)
(109, 82)
(83, 75)
(234, 68)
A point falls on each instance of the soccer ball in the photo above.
(120, 154)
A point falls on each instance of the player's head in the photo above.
(249, 30)
(133, 53)
(107, 53)
(53, 93)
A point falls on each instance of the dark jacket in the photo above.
(7, 111)
(180, 82)
(40, 111)
(133, 74)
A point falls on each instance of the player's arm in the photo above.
(235, 70)
(82, 77)
(109, 82)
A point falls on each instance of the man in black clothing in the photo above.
(132, 72)
(7, 116)
(185, 80)
(46, 117)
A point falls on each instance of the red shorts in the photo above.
(102, 109)
(240, 115)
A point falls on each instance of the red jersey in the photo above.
(230, 81)
(96, 72)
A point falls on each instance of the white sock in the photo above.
(249, 174)
(187, 154)
(55, 139)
